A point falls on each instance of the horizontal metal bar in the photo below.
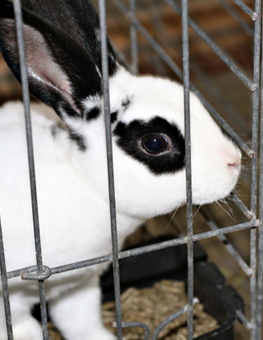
(178, 72)
(82, 264)
(141, 250)
(226, 230)
(246, 9)
(249, 214)
(215, 48)
(249, 271)
(157, 246)
(171, 318)
(56, 270)
(135, 324)
(37, 274)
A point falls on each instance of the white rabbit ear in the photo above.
(63, 69)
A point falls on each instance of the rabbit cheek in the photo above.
(168, 162)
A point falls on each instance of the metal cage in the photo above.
(254, 213)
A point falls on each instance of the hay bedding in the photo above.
(151, 306)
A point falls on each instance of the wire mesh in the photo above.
(41, 273)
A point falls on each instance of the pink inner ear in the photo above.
(41, 65)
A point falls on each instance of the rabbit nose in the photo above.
(231, 156)
(234, 165)
(234, 161)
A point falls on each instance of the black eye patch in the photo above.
(131, 135)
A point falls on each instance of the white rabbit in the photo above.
(64, 67)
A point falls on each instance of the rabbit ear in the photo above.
(62, 71)
(77, 19)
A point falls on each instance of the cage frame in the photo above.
(254, 271)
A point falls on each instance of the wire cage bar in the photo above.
(40, 272)
(237, 17)
(114, 236)
(26, 100)
(190, 245)
(247, 10)
(4, 281)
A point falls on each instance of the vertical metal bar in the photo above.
(134, 43)
(114, 235)
(4, 280)
(254, 165)
(259, 299)
(24, 81)
(190, 249)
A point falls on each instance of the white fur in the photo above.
(73, 197)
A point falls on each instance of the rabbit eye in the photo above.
(154, 144)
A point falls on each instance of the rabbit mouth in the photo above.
(215, 191)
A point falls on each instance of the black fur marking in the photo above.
(114, 116)
(66, 109)
(170, 162)
(93, 113)
(70, 41)
(78, 139)
(60, 48)
(79, 20)
(126, 103)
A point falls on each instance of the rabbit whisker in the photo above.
(175, 211)
(231, 215)
(197, 210)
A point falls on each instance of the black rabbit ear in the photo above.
(77, 19)
(62, 71)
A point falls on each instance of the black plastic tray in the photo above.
(219, 300)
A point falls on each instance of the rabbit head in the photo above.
(62, 41)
